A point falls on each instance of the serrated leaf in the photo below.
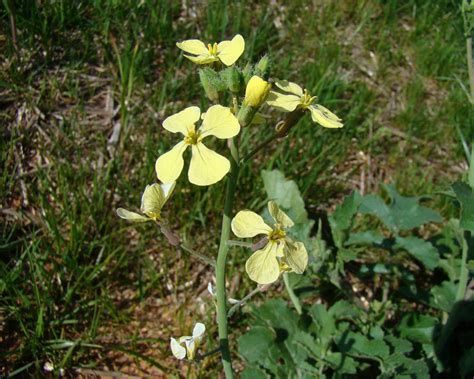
(418, 328)
(465, 196)
(403, 213)
(422, 250)
(254, 344)
(276, 314)
(359, 345)
(341, 362)
(399, 345)
(402, 366)
(324, 323)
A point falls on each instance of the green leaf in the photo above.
(324, 323)
(443, 296)
(253, 373)
(275, 313)
(422, 250)
(418, 328)
(286, 194)
(358, 344)
(403, 213)
(402, 367)
(465, 196)
(399, 345)
(369, 237)
(341, 362)
(342, 218)
(254, 344)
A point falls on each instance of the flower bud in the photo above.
(233, 79)
(256, 92)
(263, 67)
(211, 83)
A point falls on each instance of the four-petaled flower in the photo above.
(206, 167)
(294, 97)
(191, 343)
(153, 199)
(280, 252)
(226, 51)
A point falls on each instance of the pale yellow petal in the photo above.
(285, 103)
(202, 59)
(229, 51)
(152, 200)
(193, 46)
(296, 256)
(290, 87)
(206, 167)
(131, 216)
(219, 122)
(247, 224)
(191, 348)
(182, 122)
(178, 351)
(279, 216)
(324, 117)
(169, 166)
(168, 189)
(262, 267)
(198, 331)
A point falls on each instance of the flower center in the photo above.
(276, 234)
(212, 48)
(153, 215)
(306, 100)
(192, 138)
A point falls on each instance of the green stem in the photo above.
(243, 301)
(463, 276)
(294, 299)
(221, 262)
(200, 256)
(470, 65)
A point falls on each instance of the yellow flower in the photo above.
(280, 252)
(153, 199)
(256, 91)
(206, 167)
(226, 51)
(191, 343)
(294, 97)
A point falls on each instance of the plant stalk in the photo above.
(221, 263)
(294, 299)
(463, 276)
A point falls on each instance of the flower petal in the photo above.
(131, 216)
(206, 167)
(168, 189)
(247, 224)
(285, 103)
(220, 122)
(199, 330)
(191, 348)
(229, 51)
(193, 46)
(178, 351)
(262, 267)
(153, 199)
(324, 117)
(202, 59)
(182, 122)
(169, 166)
(290, 87)
(279, 216)
(296, 256)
